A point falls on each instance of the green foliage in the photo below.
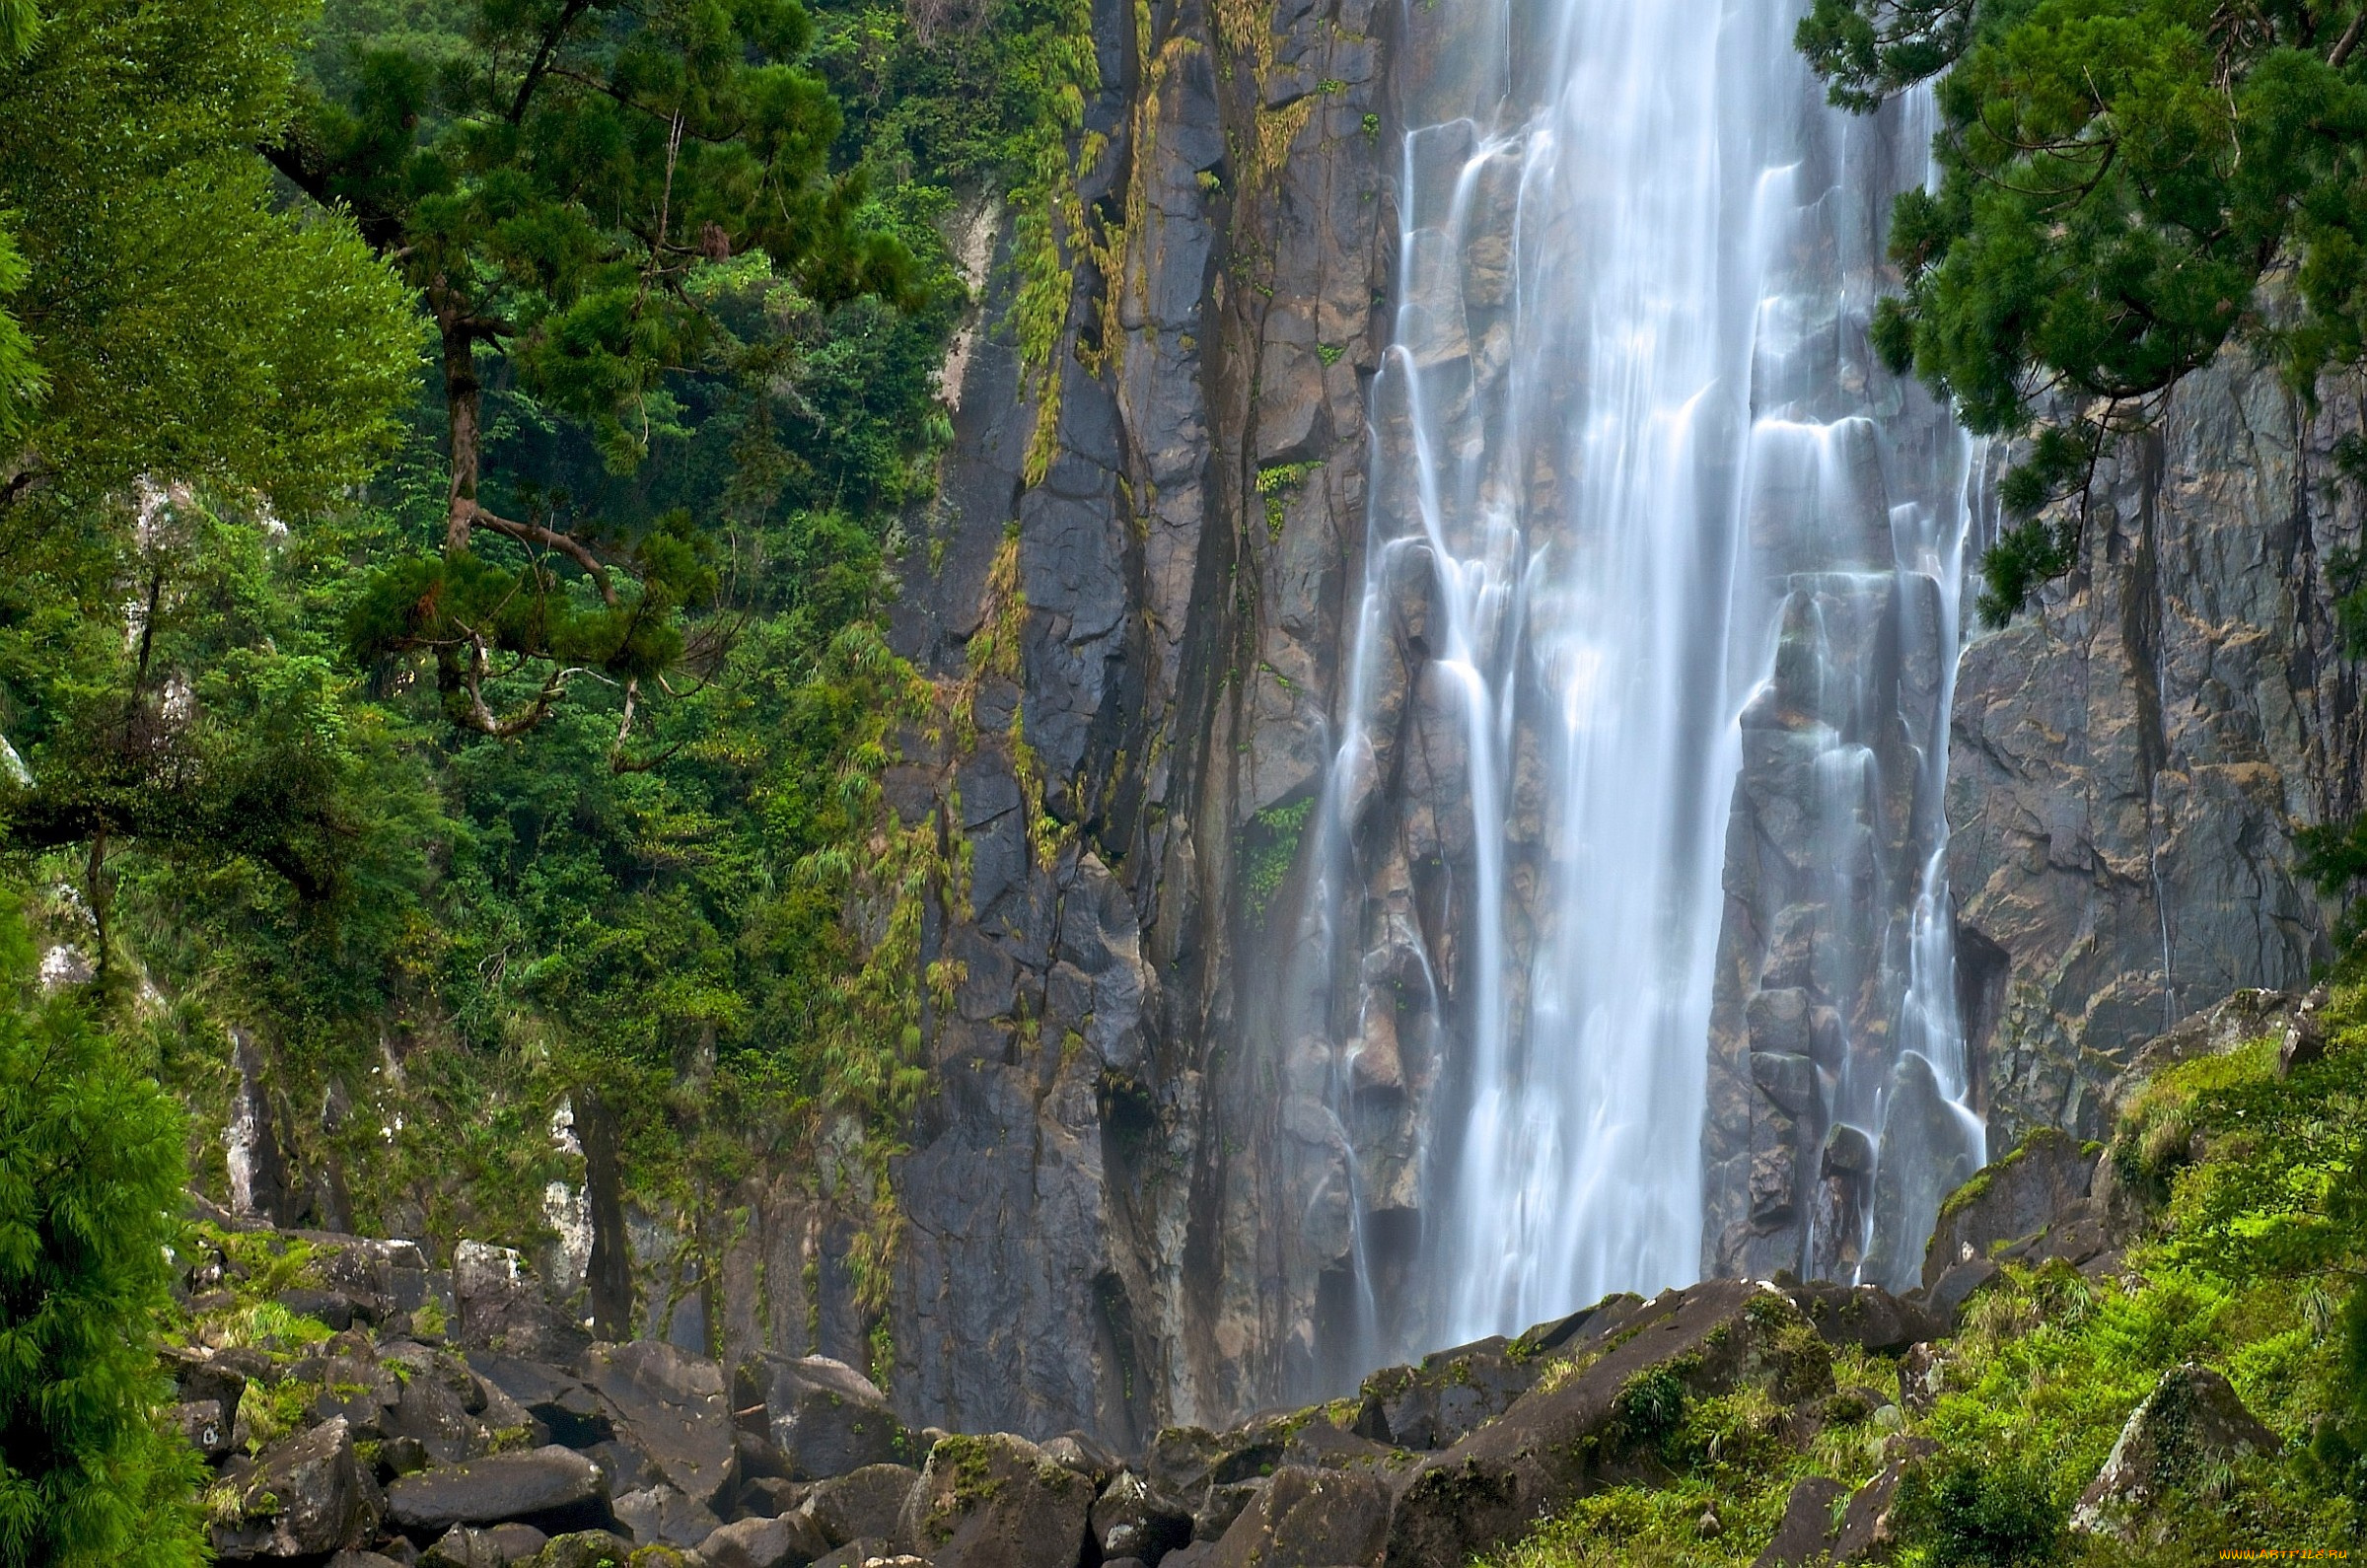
(1989, 1513)
(276, 835)
(566, 182)
(1269, 847)
(1872, 50)
(2249, 1260)
(1279, 484)
(185, 326)
(2127, 185)
(89, 1176)
(21, 381)
(1649, 1409)
(20, 27)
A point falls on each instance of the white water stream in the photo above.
(1628, 437)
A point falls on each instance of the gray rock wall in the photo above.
(2129, 764)
(1083, 1240)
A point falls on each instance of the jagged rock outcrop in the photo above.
(2190, 1422)
(2129, 762)
(1603, 1422)
(2031, 1205)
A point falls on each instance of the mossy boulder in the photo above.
(1595, 1422)
(2029, 1206)
(2189, 1425)
(997, 1502)
(306, 1495)
(1307, 1518)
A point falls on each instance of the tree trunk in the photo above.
(609, 1270)
(462, 394)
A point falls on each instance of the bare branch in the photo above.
(2349, 40)
(535, 533)
(542, 57)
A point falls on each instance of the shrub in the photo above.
(90, 1172)
(1968, 1514)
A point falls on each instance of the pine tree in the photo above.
(91, 1176)
(555, 182)
(2127, 185)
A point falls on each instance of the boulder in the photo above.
(585, 1548)
(351, 1383)
(1949, 1292)
(464, 1548)
(1866, 1530)
(870, 1501)
(306, 1496)
(1866, 1316)
(575, 1416)
(1222, 1504)
(1600, 1423)
(1131, 1520)
(205, 1377)
(431, 1404)
(330, 1306)
(499, 1306)
(1323, 1445)
(205, 1425)
(671, 1406)
(824, 1416)
(664, 1516)
(996, 1502)
(1805, 1533)
(1453, 1392)
(374, 1280)
(770, 1496)
(550, 1488)
(856, 1553)
(759, 1457)
(2304, 1040)
(2031, 1205)
(788, 1541)
(2190, 1422)
(517, 1543)
(1077, 1451)
(1307, 1519)
(1922, 1375)
(1183, 1461)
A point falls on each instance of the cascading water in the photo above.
(1658, 620)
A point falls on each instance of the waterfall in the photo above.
(1625, 950)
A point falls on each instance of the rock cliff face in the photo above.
(1082, 1244)
(2129, 764)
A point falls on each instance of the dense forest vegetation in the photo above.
(450, 452)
